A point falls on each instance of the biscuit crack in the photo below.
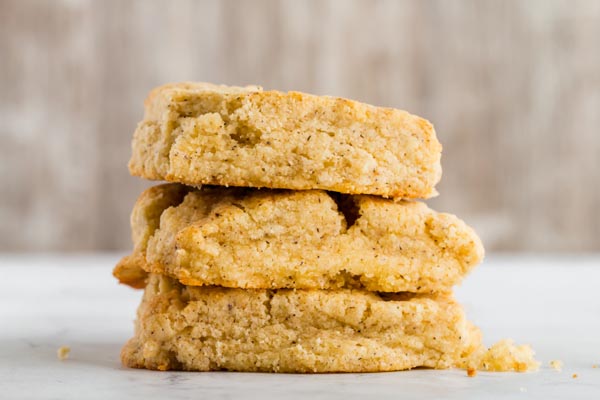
(267, 303)
(346, 205)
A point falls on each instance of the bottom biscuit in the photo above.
(214, 328)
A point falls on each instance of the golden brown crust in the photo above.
(299, 239)
(197, 133)
(130, 271)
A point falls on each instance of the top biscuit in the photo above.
(199, 133)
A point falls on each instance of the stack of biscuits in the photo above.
(289, 240)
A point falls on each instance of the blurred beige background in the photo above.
(513, 88)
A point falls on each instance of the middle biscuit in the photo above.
(264, 239)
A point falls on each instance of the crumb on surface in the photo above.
(471, 372)
(556, 364)
(575, 376)
(505, 356)
(63, 352)
(595, 366)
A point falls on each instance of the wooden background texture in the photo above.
(513, 88)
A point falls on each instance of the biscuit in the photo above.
(271, 239)
(199, 133)
(213, 328)
(505, 356)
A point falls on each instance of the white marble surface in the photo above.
(551, 302)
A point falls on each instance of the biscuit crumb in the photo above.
(595, 366)
(557, 365)
(504, 356)
(63, 352)
(575, 376)
(471, 372)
